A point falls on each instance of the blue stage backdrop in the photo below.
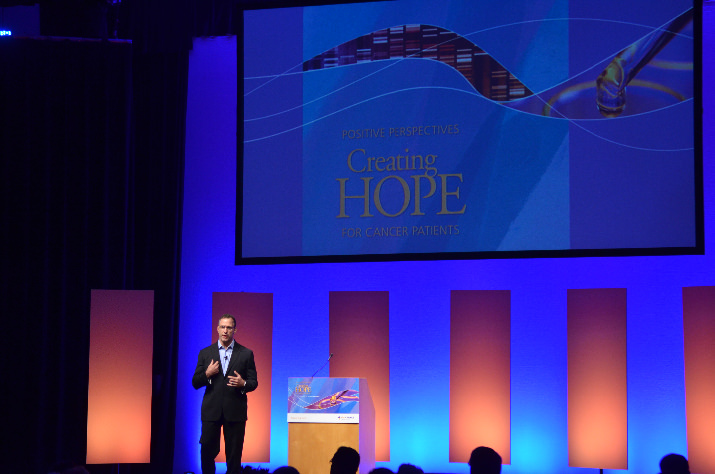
(419, 311)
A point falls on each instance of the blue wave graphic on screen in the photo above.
(483, 72)
(637, 71)
(663, 79)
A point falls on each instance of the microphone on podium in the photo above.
(321, 367)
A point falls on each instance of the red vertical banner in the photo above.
(360, 342)
(699, 340)
(121, 345)
(254, 329)
(597, 389)
(480, 373)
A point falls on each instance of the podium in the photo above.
(325, 413)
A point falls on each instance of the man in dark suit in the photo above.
(228, 372)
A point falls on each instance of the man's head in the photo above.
(226, 328)
(345, 461)
(286, 470)
(409, 469)
(484, 461)
(674, 464)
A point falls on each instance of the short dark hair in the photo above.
(345, 461)
(409, 469)
(674, 464)
(286, 470)
(485, 461)
(228, 316)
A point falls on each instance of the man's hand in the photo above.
(236, 381)
(212, 369)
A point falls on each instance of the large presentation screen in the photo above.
(423, 129)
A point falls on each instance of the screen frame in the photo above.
(697, 249)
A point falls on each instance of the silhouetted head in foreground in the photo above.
(381, 470)
(674, 464)
(286, 470)
(409, 469)
(345, 461)
(484, 461)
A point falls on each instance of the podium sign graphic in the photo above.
(323, 400)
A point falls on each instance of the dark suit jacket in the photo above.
(219, 398)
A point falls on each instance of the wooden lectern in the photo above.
(325, 413)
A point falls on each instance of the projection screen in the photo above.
(432, 129)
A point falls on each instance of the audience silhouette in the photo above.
(674, 464)
(286, 470)
(345, 461)
(484, 461)
(409, 469)
(381, 470)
